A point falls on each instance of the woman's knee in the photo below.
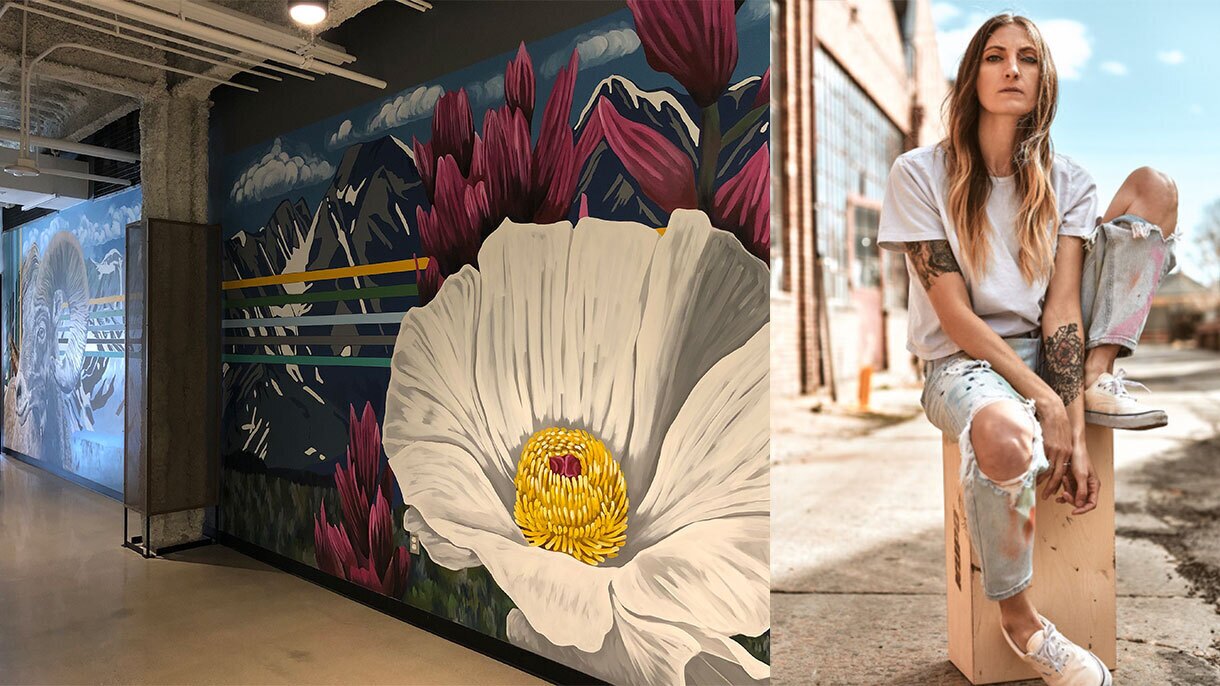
(1153, 196)
(1002, 434)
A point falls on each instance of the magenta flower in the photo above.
(451, 231)
(695, 41)
(763, 98)
(452, 134)
(476, 182)
(361, 547)
(519, 83)
(743, 204)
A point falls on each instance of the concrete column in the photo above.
(174, 176)
(174, 158)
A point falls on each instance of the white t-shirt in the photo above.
(916, 209)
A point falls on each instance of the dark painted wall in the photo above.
(399, 45)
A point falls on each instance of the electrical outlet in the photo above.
(414, 542)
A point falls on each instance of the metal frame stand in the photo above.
(140, 544)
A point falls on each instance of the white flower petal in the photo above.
(714, 461)
(607, 274)
(637, 652)
(519, 343)
(441, 552)
(713, 575)
(431, 395)
(706, 297)
(725, 661)
(567, 601)
(446, 487)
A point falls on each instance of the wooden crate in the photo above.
(1073, 575)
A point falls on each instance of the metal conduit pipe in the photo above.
(14, 136)
(139, 41)
(83, 175)
(170, 22)
(174, 39)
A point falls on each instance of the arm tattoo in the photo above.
(1063, 362)
(930, 259)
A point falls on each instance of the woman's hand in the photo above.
(1056, 440)
(1080, 484)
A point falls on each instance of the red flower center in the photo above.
(565, 465)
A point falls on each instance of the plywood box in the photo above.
(1073, 575)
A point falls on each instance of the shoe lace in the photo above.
(1053, 652)
(1118, 383)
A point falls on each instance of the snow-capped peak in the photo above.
(655, 98)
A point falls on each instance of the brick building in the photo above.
(861, 81)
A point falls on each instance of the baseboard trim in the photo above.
(477, 641)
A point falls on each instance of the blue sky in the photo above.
(1138, 86)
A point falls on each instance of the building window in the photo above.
(856, 145)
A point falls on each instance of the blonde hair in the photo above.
(1033, 156)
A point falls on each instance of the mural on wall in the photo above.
(538, 344)
(64, 336)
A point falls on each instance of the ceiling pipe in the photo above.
(173, 23)
(135, 60)
(85, 176)
(118, 25)
(253, 28)
(14, 136)
(421, 5)
(140, 41)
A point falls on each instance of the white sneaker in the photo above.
(1059, 661)
(1107, 403)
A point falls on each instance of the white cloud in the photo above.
(596, 47)
(481, 92)
(341, 136)
(753, 11)
(403, 108)
(277, 172)
(1115, 68)
(1069, 42)
(1171, 56)
(406, 107)
(943, 12)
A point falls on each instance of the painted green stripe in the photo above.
(103, 353)
(325, 296)
(316, 360)
(106, 313)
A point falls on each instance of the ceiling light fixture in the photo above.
(307, 12)
(22, 167)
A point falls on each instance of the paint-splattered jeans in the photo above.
(1124, 263)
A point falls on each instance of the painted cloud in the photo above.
(594, 48)
(278, 172)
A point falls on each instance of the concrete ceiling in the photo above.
(62, 103)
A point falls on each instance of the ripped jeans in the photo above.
(1124, 264)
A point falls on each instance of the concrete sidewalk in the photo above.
(857, 538)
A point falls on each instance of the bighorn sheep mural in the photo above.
(54, 315)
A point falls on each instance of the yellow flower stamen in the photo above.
(571, 495)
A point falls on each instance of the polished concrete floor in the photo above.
(76, 608)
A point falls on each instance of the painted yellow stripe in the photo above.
(107, 299)
(336, 273)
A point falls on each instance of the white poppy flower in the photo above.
(587, 415)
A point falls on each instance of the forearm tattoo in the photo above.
(1063, 362)
(930, 259)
